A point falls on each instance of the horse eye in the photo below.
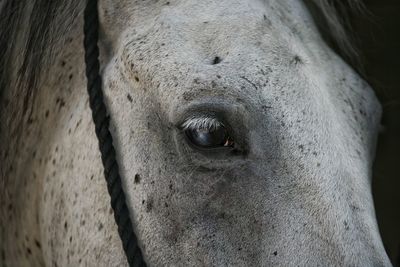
(209, 138)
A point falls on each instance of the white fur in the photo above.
(296, 194)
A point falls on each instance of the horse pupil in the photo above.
(208, 138)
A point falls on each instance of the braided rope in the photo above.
(102, 121)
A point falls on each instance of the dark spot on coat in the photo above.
(38, 245)
(275, 253)
(78, 123)
(60, 102)
(346, 225)
(100, 226)
(129, 98)
(297, 60)
(149, 205)
(265, 107)
(301, 147)
(137, 178)
(216, 60)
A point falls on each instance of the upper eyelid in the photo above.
(202, 122)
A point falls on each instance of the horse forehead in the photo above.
(140, 15)
(148, 49)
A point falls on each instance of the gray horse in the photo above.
(243, 138)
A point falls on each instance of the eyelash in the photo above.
(197, 123)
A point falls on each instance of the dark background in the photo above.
(378, 33)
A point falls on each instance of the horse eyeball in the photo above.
(209, 138)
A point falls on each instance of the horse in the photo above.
(244, 135)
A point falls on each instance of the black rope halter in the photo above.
(101, 121)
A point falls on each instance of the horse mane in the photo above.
(31, 31)
(31, 34)
(332, 18)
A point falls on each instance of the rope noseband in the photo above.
(101, 121)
